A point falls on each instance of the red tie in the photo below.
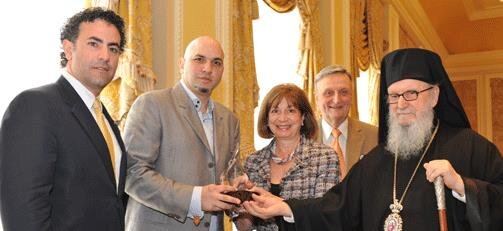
(337, 147)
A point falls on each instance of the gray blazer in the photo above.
(168, 154)
(362, 137)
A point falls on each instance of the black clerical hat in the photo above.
(426, 66)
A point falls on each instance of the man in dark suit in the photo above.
(62, 160)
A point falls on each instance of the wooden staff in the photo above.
(440, 193)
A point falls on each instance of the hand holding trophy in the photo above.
(234, 175)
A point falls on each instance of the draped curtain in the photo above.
(367, 43)
(310, 61)
(245, 88)
(134, 74)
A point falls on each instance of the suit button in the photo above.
(211, 165)
(206, 224)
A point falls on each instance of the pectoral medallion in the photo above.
(394, 222)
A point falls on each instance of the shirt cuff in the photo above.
(459, 197)
(289, 219)
(195, 203)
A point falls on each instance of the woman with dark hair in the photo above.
(292, 166)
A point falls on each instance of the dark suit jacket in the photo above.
(55, 170)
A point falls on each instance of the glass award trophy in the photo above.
(234, 169)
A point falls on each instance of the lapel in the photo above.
(354, 142)
(218, 134)
(319, 139)
(87, 123)
(123, 165)
(188, 112)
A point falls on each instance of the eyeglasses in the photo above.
(407, 96)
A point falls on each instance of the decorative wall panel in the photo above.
(496, 85)
(467, 92)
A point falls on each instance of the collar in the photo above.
(195, 100)
(81, 90)
(326, 129)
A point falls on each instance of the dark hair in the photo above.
(298, 99)
(70, 31)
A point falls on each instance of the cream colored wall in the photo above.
(162, 43)
(334, 23)
(175, 24)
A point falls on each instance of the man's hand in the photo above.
(213, 198)
(265, 205)
(242, 182)
(444, 168)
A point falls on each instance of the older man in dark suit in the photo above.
(62, 161)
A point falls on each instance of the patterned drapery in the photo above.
(245, 88)
(310, 62)
(134, 74)
(367, 42)
(281, 6)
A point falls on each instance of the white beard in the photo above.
(409, 141)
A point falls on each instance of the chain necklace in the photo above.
(394, 222)
(281, 161)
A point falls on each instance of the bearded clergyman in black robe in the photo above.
(423, 134)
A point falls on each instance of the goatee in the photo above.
(408, 141)
(202, 89)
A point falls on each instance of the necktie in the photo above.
(337, 147)
(100, 119)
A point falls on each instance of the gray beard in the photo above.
(409, 141)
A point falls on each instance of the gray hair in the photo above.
(330, 70)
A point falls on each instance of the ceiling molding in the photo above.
(416, 20)
(476, 61)
(484, 12)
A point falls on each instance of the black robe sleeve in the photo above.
(484, 185)
(338, 209)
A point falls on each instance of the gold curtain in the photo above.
(281, 6)
(310, 61)
(245, 89)
(367, 42)
(134, 74)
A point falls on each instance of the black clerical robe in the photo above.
(361, 201)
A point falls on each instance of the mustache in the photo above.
(403, 111)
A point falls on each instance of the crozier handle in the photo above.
(440, 193)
